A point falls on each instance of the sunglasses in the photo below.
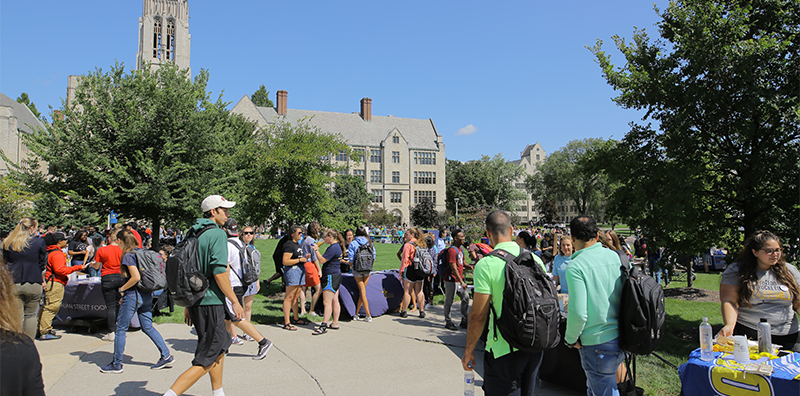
(772, 251)
(248, 233)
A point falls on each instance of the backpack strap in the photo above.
(52, 270)
(241, 261)
(508, 257)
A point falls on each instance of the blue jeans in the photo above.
(655, 270)
(141, 304)
(600, 363)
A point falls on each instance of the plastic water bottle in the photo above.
(706, 342)
(764, 336)
(469, 383)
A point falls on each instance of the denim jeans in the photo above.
(655, 270)
(141, 304)
(600, 363)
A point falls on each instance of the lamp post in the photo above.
(456, 199)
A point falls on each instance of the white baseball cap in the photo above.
(215, 201)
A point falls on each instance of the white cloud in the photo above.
(467, 130)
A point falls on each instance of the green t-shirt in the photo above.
(212, 249)
(595, 289)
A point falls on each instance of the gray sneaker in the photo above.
(368, 319)
(422, 314)
(111, 368)
(163, 363)
(262, 350)
(450, 326)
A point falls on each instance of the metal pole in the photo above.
(456, 199)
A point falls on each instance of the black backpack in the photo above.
(249, 262)
(642, 312)
(363, 259)
(186, 281)
(530, 316)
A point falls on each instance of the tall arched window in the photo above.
(169, 44)
(157, 38)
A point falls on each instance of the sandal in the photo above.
(301, 322)
(333, 327)
(289, 327)
(322, 329)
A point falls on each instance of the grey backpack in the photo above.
(151, 269)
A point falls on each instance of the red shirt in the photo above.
(110, 256)
(57, 266)
(454, 255)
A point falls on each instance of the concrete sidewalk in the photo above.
(390, 356)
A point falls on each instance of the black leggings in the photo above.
(110, 285)
(788, 342)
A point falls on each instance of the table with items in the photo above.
(766, 374)
(83, 301)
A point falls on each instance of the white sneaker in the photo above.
(236, 341)
(356, 318)
(108, 337)
(368, 319)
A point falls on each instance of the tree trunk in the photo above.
(689, 271)
(156, 232)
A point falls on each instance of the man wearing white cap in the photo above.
(208, 316)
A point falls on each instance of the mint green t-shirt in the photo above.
(595, 289)
(212, 249)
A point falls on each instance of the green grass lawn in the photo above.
(657, 378)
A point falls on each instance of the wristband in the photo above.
(570, 345)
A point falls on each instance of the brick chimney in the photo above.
(281, 106)
(366, 109)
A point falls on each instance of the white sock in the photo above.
(217, 392)
(170, 393)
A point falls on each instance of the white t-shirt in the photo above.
(770, 300)
(233, 261)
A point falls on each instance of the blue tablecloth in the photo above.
(723, 376)
(384, 293)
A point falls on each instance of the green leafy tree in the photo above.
(381, 218)
(549, 211)
(148, 144)
(15, 203)
(485, 182)
(289, 176)
(351, 199)
(424, 214)
(721, 85)
(260, 97)
(24, 99)
(568, 175)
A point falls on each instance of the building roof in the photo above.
(26, 121)
(419, 133)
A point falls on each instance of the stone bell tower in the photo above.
(164, 34)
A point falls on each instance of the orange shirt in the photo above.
(110, 256)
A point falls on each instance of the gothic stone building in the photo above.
(15, 119)
(402, 159)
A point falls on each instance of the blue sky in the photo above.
(505, 74)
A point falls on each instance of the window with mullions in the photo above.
(424, 177)
(377, 196)
(169, 40)
(342, 172)
(341, 155)
(375, 176)
(360, 154)
(360, 173)
(396, 157)
(421, 195)
(396, 197)
(424, 158)
(157, 38)
(395, 177)
(395, 139)
(375, 155)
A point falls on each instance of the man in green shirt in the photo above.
(595, 288)
(506, 371)
(208, 316)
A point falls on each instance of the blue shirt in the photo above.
(560, 268)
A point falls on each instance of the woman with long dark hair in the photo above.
(25, 256)
(361, 277)
(134, 302)
(411, 282)
(107, 259)
(331, 279)
(761, 285)
(21, 371)
(78, 248)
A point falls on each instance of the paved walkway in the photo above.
(390, 356)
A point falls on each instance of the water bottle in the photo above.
(469, 383)
(764, 336)
(706, 342)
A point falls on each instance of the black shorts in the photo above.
(331, 282)
(212, 336)
(239, 292)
